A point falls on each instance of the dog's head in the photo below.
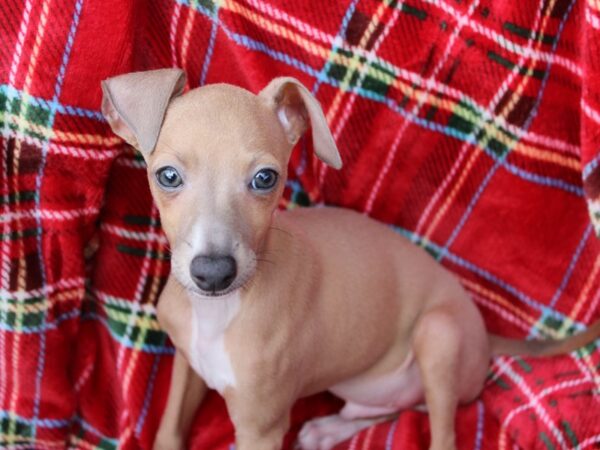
(217, 161)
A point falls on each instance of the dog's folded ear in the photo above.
(135, 104)
(295, 106)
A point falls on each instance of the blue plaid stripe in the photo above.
(524, 298)
(54, 105)
(57, 89)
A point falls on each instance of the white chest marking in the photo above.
(208, 356)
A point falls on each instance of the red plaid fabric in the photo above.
(472, 127)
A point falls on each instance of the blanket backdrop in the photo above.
(470, 126)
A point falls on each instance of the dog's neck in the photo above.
(213, 315)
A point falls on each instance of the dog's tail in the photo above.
(550, 347)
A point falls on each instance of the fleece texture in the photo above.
(470, 126)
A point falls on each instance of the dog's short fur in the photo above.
(267, 306)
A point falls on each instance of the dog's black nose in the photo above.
(213, 272)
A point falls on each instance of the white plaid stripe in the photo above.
(49, 214)
(592, 19)
(32, 63)
(173, 33)
(134, 235)
(589, 111)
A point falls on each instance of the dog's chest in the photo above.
(207, 353)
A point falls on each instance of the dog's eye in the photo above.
(168, 177)
(264, 180)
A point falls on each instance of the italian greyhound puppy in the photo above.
(267, 306)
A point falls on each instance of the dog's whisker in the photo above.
(281, 230)
(268, 252)
(265, 260)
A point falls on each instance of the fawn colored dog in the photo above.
(267, 306)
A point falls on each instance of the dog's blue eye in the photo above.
(264, 180)
(168, 177)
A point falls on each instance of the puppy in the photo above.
(267, 306)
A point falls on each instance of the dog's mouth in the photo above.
(211, 294)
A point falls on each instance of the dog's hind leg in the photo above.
(452, 363)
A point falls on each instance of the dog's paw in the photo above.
(168, 442)
(324, 433)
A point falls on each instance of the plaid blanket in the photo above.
(470, 126)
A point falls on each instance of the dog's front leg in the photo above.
(255, 436)
(260, 423)
(185, 395)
